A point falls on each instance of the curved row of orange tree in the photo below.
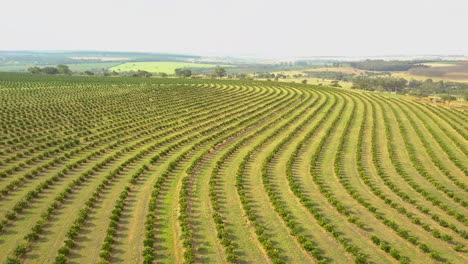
(151, 170)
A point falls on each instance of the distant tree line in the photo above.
(307, 63)
(263, 75)
(338, 76)
(412, 87)
(379, 83)
(268, 75)
(381, 65)
(59, 69)
(219, 72)
(141, 73)
(428, 87)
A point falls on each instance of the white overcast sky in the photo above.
(238, 27)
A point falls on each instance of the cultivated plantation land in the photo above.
(152, 170)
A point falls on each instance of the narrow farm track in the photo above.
(149, 170)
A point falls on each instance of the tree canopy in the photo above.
(60, 69)
(413, 87)
(220, 72)
(63, 69)
(183, 72)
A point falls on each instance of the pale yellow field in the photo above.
(440, 64)
(160, 66)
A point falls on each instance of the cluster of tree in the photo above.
(240, 76)
(428, 87)
(448, 98)
(220, 72)
(183, 72)
(335, 84)
(114, 73)
(379, 83)
(141, 73)
(337, 76)
(267, 75)
(382, 65)
(280, 75)
(413, 87)
(60, 69)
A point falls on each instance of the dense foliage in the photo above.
(383, 65)
(60, 69)
(331, 75)
(413, 87)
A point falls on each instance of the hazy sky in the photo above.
(238, 27)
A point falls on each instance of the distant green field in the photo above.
(79, 67)
(13, 68)
(160, 66)
(92, 66)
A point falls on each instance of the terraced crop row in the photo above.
(143, 170)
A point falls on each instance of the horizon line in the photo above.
(229, 54)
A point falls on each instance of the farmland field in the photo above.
(159, 66)
(79, 67)
(454, 72)
(440, 64)
(152, 170)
